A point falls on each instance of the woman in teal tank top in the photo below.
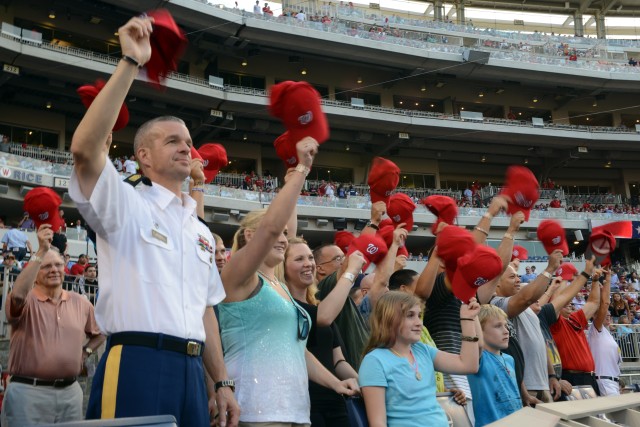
(264, 332)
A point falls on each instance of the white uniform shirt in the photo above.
(157, 269)
(605, 352)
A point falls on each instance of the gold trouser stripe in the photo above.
(110, 383)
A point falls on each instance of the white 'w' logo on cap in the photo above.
(480, 281)
(44, 215)
(371, 248)
(556, 240)
(306, 118)
(522, 201)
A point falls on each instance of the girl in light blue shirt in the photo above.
(397, 373)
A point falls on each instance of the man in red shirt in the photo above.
(555, 203)
(568, 332)
(78, 268)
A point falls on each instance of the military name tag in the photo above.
(157, 235)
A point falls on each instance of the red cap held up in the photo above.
(43, 205)
(343, 240)
(400, 209)
(297, 105)
(443, 207)
(89, 92)
(552, 236)
(168, 43)
(477, 267)
(214, 158)
(567, 271)
(522, 189)
(383, 179)
(519, 252)
(372, 247)
(453, 242)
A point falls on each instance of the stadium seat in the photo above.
(456, 414)
(575, 394)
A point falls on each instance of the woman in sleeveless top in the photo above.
(264, 332)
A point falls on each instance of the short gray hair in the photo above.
(143, 130)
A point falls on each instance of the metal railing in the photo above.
(81, 53)
(40, 153)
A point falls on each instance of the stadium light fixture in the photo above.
(52, 14)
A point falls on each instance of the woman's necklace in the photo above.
(414, 365)
(502, 362)
(274, 282)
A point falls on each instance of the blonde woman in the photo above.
(325, 343)
(264, 332)
(397, 373)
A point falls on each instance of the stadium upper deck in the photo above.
(463, 120)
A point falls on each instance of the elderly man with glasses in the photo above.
(46, 320)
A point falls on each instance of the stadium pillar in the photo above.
(460, 13)
(578, 24)
(438, 10)
(601, 29)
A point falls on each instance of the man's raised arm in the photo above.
(87, 145)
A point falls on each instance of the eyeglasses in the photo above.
(338, 258)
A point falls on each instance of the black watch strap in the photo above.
(225, 383)
(585, 275)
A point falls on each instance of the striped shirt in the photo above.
(442, 319)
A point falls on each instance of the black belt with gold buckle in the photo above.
(159, 341)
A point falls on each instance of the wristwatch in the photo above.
(87, 350)
(225, 383)
(372, 225)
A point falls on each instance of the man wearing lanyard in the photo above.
(158, 277)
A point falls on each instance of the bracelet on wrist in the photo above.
(469, 339)
(468, 318)
(585, 275)
(348, 276)
(302, 169)
(131, 60)
(508, 236)
(487, 215)
(547, 275)
(482, 230)
(198, 189)
(374, 226)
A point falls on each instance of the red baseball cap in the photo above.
(567, 271)
(522, 189)
(373, 248)
(402, 250)
(453, 242)
(89, 92)
(443, 207)
(343, 240)
(386, 233)
(286, 150)
(297, 104)
(43, 205)
(551, 234)
(383, 179)
(214, 158)
(168, 43)
(400, 209)
(477, 267)
(602, 242)
(519, 252)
